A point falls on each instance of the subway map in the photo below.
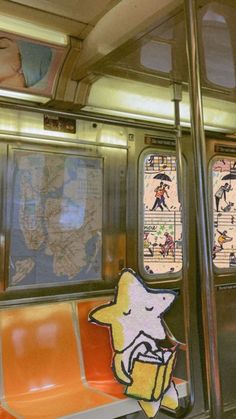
(56, 218)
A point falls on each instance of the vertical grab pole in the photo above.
(176, 97)
(203, 224)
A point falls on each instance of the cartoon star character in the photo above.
(135, 319)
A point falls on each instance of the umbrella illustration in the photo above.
(162, 176)
(231, 175)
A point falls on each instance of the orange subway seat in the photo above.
(97, 351)
(41, 366)
(5, 415)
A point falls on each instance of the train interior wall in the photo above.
(86, 146)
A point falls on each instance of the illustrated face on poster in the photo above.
(224, 209)
(140, 362)
(28, 65)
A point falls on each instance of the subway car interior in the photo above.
(117, 291)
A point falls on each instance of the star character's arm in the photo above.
(119, 369)
(141, 345)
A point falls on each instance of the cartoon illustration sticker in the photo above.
(136, 324)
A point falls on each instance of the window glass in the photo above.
(224, 204)
(162, 224)
(55, 218)
(217, 47)
(156, 56)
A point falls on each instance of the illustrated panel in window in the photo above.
(162, 226)
(224, 204)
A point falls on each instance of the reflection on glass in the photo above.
(224, 204)
(217, 46)
(162, 235)
(56, 218)
(156, 56)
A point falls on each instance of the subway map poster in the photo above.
(55, 212)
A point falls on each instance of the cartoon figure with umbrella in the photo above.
(161, 192)
(221, 192)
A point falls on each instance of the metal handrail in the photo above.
(203, 224)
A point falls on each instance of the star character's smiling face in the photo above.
(136, 310)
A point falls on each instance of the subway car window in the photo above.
(55, 210)
(217, 46)
(224, 204)
(161, 229)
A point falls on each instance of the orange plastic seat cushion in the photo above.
(5, 415)
(41, 365)
(97, 351)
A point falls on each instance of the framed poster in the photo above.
(28, 65)
(55, 218)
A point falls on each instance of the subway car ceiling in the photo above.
(117, 58)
